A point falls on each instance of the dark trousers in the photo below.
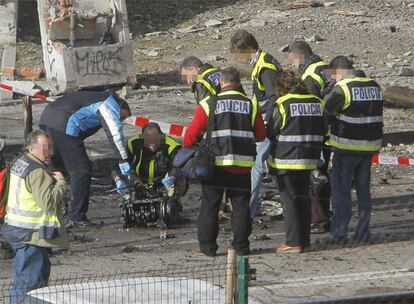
(321, 202)
(237, 187)
(294, 193)
(70, 154)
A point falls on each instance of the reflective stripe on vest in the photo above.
(235, 160)
(23, 211)
(354, 144)
(294, 164)
(234, 133)
(360, 120)
(209, 87)
(311, 72)
(343, 84)
(299, 138)
(261, 64)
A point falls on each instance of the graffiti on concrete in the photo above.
(100, 62)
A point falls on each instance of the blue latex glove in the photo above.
(124, 167)
(121, 187)
(168, 182)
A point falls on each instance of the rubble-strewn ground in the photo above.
(385, 265)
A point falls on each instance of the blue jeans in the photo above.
(263, 150)
(345, 169)
(31, 270)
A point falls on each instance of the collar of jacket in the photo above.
(35, 159)
(204, 68)
(255, 58)
(308, 61)
(298, 91)
(231, 88)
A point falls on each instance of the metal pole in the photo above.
(28, 116)
(243, 280)
(231, 272)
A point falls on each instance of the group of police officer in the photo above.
(293, 123)
(311, 113)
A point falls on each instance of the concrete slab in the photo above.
(8, 34)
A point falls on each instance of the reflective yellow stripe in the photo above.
(151, 172)
(280, 101)
(200, 79)
(255, 107)
(172, 144)
(130, 142)
(260, 64)
(343, 84)
(210, 70)
(311, 71)
(235, 160)
(352, 147)
(139, 162)
(296, 164)
(204, 102)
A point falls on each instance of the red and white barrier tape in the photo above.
(379, 159)
(179, 130)
(171, 129)
(24, 92)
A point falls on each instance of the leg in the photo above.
(239, 192)
(257, 173)
(290, 201)
(362, 180)
(75, 159)
(207, 223)
(342, 172)
(304, 207)
(31, 270)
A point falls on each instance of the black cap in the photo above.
(341, 62)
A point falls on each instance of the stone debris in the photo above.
(166, 235)
(213, 23)
(406, 72)
(314, 38)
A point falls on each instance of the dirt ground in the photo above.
(385, 265)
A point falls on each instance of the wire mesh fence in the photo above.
(187, 284)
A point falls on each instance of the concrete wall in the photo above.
(88, 64)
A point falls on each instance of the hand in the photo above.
(121, 187)
(168, 182)
(124, 167)
(58, 175)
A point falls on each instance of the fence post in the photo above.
(231, 272)
(28, 116)
(243, 280)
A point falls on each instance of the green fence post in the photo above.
(242, 280)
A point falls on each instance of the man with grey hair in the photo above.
(33, 223)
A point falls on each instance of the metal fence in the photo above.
(184, 285)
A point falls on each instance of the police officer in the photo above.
(313, 71)
(237, 126)
(355, 111)
(34, 221)
(203, 78)
(296, 130)
(69, 120)
(151, 155)
(312, 68)
(265, 70)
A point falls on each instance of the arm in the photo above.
(335, 100)
(201, 92)
(274, 125)
(268, 78)
(259, 128)
(312, 86)
(47, 191)
(111, 123)
(197, 128)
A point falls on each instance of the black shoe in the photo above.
(80, 224)
(199, 252)
(336, 240)
(243, 252)
(320, 227)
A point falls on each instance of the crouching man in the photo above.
(33, 223)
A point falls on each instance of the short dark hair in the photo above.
(152, 125)
(123, 104)
(289, 81)
(33, 138)
(242, 40)
(190, 62)
(300, 47)
(230, 75)
(341, 62)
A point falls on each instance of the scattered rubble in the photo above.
(406, 72)
(300, 4)
(165, 235)
(314, 38)
(213, 23)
